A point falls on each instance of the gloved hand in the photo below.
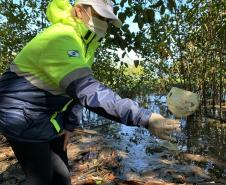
(162, 127)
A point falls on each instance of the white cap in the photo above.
(104, 8)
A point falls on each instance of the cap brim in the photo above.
(117, 23)
(107, 13)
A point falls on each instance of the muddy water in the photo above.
(198, 156)
(131, 156)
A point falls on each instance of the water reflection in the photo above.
(202, 142)
(199, 135)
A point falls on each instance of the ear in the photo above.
(76, 11)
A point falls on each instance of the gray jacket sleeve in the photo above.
(100, 99)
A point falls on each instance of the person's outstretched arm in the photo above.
(74, 76)
(102, 100)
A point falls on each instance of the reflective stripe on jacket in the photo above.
(33, 89)
(56, 57)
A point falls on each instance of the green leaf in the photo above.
(136, 18)
(125, 28)
(130, 2)
(122, 3)
(138, 8)
(116, 9)
(140, 22)
(149, 16)
(128, 12)
(158, 4)
(123, 55)
(162, 9)
(171, 5)
(122, 16)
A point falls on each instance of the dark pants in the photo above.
(43, 163)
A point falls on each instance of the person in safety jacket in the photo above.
(52, 73)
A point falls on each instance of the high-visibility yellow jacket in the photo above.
(52, 69)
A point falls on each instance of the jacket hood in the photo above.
(59, 11)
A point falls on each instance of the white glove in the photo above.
(162, 127)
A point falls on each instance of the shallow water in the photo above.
(199, 155)
(133, 156)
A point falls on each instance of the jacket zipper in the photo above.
(87, 45)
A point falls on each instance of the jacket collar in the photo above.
(86, 35)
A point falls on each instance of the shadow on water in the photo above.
(199, 155)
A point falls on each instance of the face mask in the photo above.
(96, 25)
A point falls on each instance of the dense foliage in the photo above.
(182, 43)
